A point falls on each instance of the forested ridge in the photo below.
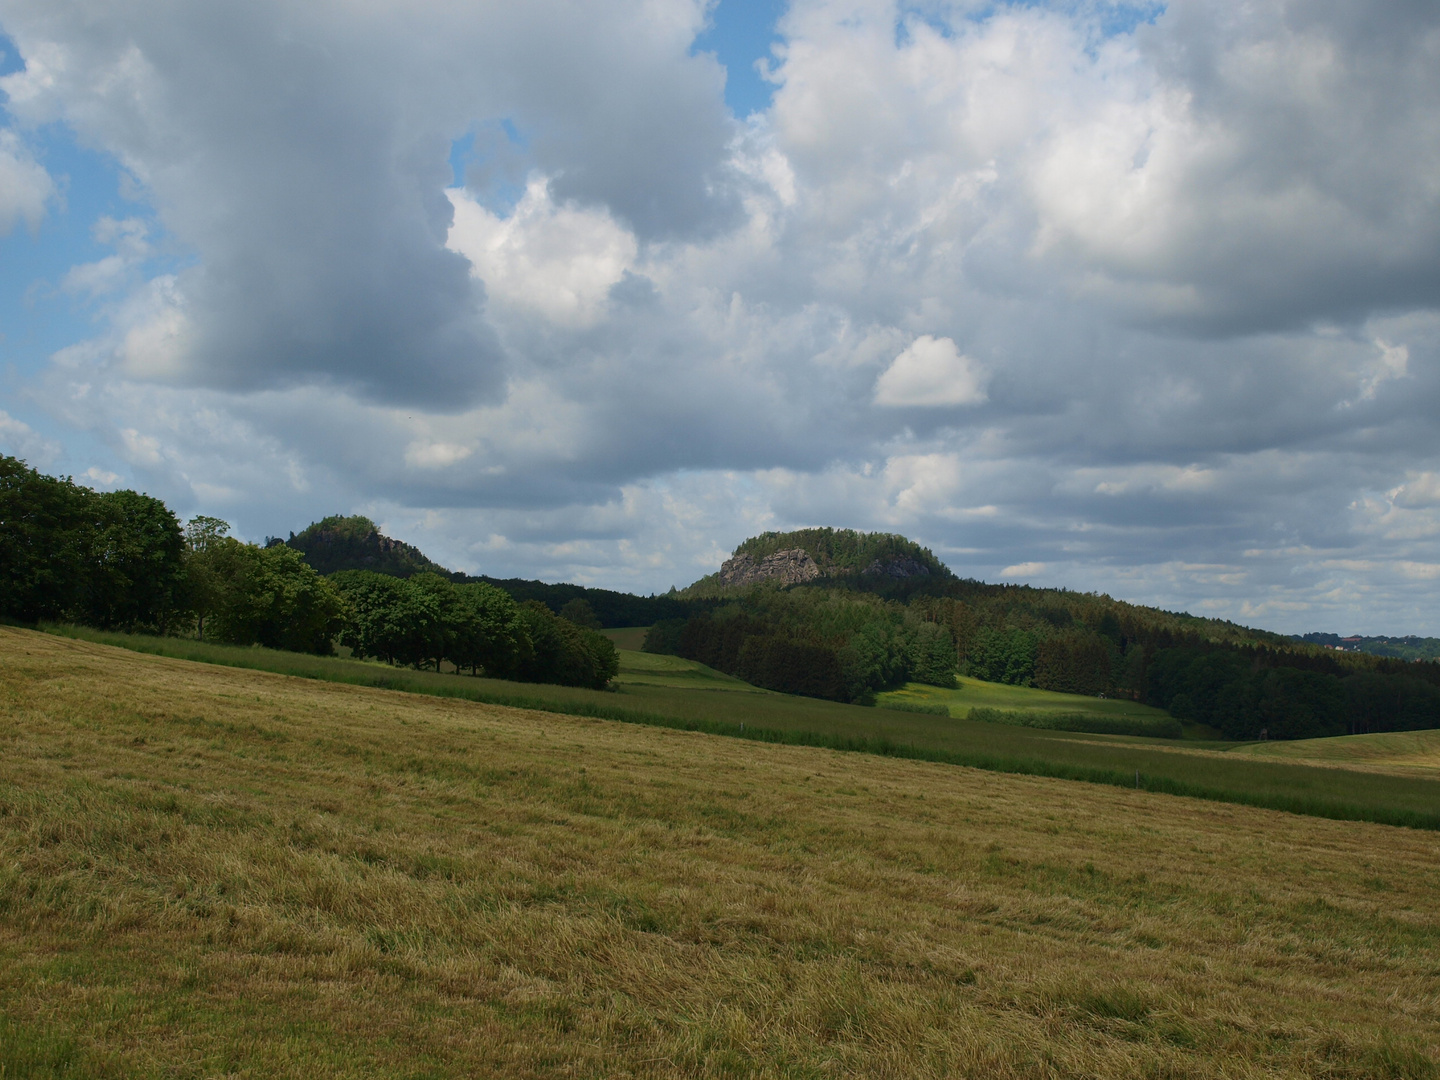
(882, 612)
(848, 635)
(1409, 647)
(340, 543)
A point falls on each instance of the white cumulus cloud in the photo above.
(931, 371)
(556, 261)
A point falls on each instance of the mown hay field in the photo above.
(1400, 752)
(208, 871)
(670, 692)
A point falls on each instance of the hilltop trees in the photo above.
(337, 543)
(354, 543)
(609, 608)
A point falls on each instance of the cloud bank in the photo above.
(1125, 298)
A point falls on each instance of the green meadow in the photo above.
(628, 637)
(975, 694)
(671, 692)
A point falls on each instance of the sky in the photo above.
(1134, 298)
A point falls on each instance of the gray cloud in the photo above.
(1304, 196)
(301, 153)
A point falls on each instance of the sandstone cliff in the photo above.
(792, 567)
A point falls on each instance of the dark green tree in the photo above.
(579, 612)
(490, 634)
(45, 537)
(434, 619)
(135, 573)
(932, 655)
(272, 597)
(377, 607)
(204, 584)
(565, 653)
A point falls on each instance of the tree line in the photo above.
(1246, 694)
(107, 559)
(427, 620)
(826, 643)
(1242, 682)
(122, 561)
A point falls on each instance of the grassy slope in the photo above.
(628, 637)
(1410, 750)
(209, 871)
(974, 693)
(677, 699)
(651, 669)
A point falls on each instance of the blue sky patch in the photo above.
(740, 33)
(10, 61)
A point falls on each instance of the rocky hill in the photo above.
(879, 562)
(793, 566)
(355, 543)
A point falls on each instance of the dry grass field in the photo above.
(1401, 752)
(209, 871)
(667, 691)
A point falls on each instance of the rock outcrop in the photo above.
(793, 567)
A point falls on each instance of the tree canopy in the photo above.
(110, 559)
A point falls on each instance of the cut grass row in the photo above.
(207, 871)
(1150, 764)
